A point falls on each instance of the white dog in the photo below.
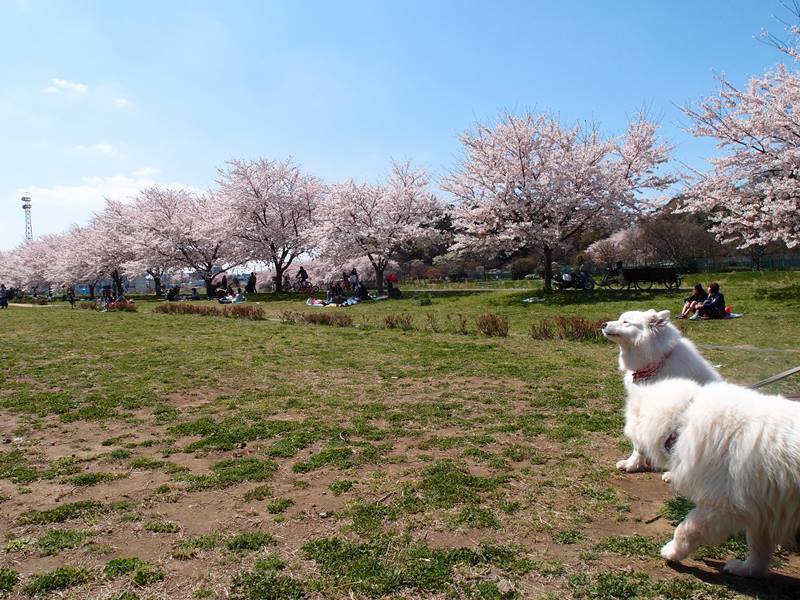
(735, 453)
(651, 349)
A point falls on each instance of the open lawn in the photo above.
(181, 456)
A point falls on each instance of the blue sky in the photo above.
(101, 98)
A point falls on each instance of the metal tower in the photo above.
(26, 206)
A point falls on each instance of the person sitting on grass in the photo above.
(712, 307)
(239, 297)
(195, 294)
(392, 291)
(362, 293)
(693, 302)
(173, 293)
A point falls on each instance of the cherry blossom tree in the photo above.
(751, 194)
(75, 260)
(378, 221)
(29, 263)
(528, 182)
(189, 230)
(142, 252)
(273, 206)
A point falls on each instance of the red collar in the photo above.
(649, 370)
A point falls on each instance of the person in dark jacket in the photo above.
(251, 284)
(362, 293)
(691, 303)
(712, 307)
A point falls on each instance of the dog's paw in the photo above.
(743, 568)
(666, 477)
(630, 466)
(670, 552)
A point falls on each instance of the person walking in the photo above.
(3, 296)
(251, 284)
(71, 297)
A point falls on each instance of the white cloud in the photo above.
(145, 172)
(102, 149)
(122, 102)
(62, 85)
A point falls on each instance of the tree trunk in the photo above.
(548, 269)
(91, 290)
(157, 285)
(279, 278)
(209, 286)
(117, 281)
(379, 279)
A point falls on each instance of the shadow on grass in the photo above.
(789, 293)
(583, 297)
(775, 587)
(412, 294)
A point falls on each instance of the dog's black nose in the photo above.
(603, 326)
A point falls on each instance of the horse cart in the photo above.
(642, 278)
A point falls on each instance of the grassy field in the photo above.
(178, 456)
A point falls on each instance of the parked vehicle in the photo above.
(579, 280)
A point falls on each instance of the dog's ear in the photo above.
(659, 319)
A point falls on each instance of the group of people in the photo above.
(107, 298)
(704, 305)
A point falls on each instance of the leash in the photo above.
(774, 378)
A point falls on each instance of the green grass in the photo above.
(341, 486)
(8, 579)
(250, 541)
(122, 566)
(61, 514)
(56, 540)
(423, 451)
(60, 578)
(390, 566)
(87, 479)
(159, 526)
(190, 547)
(230, 472)
(260, 492)
(279, 505)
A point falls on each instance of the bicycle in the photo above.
(613, 279)
(305, 287)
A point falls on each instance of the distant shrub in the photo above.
(425, 300)
(178, 308)
(288, 317)
(460, 325)
(242, 311)
(402, 321)
(543, 330)
(431, 324)
(122, 306)
(86, 304)
(568, 328)
(39, 301)
(493, 325)
(327, 318)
